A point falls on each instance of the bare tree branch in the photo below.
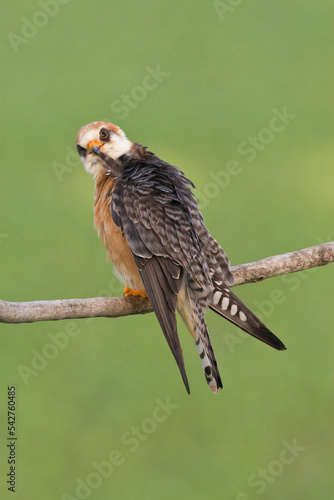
(114, 307)
(49, 310)
(285, 263)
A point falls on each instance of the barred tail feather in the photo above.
(228, 305)
(192, 314)
(208, 360)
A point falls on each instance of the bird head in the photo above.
(99, 144)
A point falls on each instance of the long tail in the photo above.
(206, 354)
(229, 306)
(192, 314)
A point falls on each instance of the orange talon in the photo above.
(134, 293)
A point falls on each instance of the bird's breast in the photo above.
(115, 242)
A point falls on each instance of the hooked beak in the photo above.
(94, 147)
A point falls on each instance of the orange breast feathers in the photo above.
(115, 243)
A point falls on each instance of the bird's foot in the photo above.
(134, 293)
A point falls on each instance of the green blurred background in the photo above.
(224, 67)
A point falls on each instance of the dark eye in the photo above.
(104, 134)
(82, 151)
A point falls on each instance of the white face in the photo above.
(104, 136)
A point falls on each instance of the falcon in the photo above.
(154, 233)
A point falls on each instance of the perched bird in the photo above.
(154, 233)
